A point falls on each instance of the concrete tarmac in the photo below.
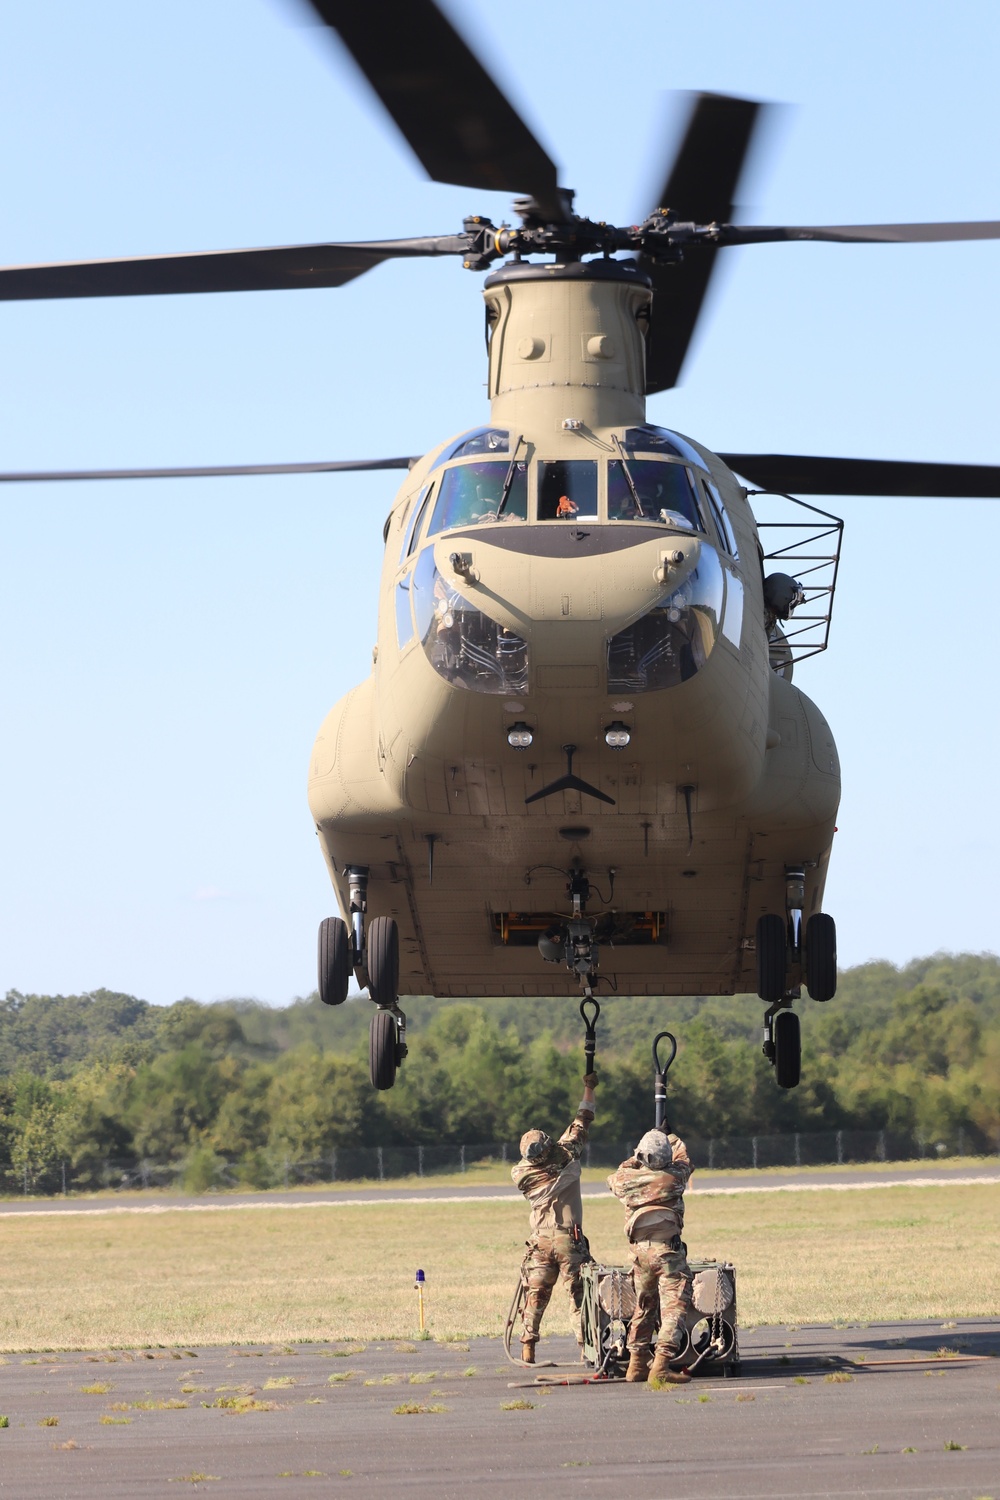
(891, 1409)
(842, 1178)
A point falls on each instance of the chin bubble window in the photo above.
(670, 643)
(471, 494)
(644, 490)
(567, 490)
(463, 645)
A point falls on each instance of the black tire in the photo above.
(334, 961)
(383, 1040)
(787, 1049)
(821, 956)
(383, 961)
(772, 956)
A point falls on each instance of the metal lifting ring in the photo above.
(591, 1022)
(663, 1068)
(590, 1036)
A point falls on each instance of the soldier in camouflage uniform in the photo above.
(548, 1175)
(651, 1187)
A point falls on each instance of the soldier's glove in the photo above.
(590, 1080)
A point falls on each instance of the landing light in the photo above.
(617, 735)
(520, 736)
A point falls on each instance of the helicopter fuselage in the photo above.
(570, 595)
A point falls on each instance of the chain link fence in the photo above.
(202, 1171)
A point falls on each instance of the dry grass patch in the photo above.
(240, 1405)
(68, 1286)
(415, 1409)
(172, 1405)
(99, 1388)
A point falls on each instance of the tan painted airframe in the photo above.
(413, 768)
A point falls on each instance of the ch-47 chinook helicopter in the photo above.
(579, 759)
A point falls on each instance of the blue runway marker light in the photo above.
(419, 1285)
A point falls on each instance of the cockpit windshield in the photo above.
(647, 490)
(567, 490)
(472, 493)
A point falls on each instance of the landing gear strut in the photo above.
(789, 951)
(374, 955)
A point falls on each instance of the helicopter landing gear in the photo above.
(334, 961)
(387, 1032)
(821, 956)
(783, 1043)
(772, 957)
(374, 956)
(386, 1046)
(787, 1049)
(382, 954)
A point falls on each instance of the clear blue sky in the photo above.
(168, 650)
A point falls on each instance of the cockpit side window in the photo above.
(660, 492)
(723, 525)
(567, 490)
(413, 530)
(472, 493)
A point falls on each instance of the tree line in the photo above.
(88, 1078)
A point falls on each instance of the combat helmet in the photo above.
(655, 1151)
(535, 1145)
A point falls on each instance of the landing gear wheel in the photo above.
(821, 956)
(772, 956)
(383, 1049)
(787, 1049)
(334, 961)
(383, 962)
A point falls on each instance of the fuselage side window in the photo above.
(404, 620)
(413, 530)
(567, 490)
(660, 492)
(472, 493)
(726, 534)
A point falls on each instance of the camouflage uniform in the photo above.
(654, 1202)
(557, 1247)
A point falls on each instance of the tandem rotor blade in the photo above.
(858, 234)
(792, 473)
(461, 127)
(701, 186)
(275, 268)
(214, 471)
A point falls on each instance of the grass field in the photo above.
(278, 1275)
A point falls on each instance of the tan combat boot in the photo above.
(660, 1368)
(528, 1352)
(638, 1366)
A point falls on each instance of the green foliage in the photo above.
(90, 1078)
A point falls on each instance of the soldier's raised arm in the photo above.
(574, 1137)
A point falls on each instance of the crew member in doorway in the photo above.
(651, 1187)
(548, 1175)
